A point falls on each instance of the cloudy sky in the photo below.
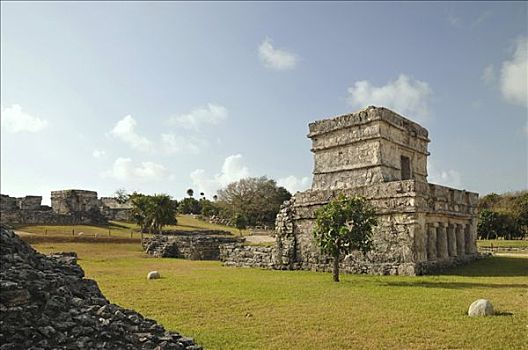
(160, 97)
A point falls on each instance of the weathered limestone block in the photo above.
(481, 307)
(72, 201)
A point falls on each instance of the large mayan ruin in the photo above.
(382, 156)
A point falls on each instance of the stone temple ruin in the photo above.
(68, 207)
(382, 156)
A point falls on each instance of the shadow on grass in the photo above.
(116, 225)
(35, 239)
(495, 266)
(454, 285)
(503, 313)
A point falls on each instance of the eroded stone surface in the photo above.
(192, 245)
(153, 275)
(481, 307)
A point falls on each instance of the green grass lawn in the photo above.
(123, 229)
(514, 243)
(236, 308)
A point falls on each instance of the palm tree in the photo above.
(190, 192)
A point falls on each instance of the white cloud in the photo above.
(488, 75)
(181, 144)
(481, 19)
(98, 153)
(213, 114)
(233, 169)
(273, 58)
(453, 20)
(123, 169)
(294, 184)
(514, 75)
(450, 177)
(125, 130)
(405, 95)
(14, 120)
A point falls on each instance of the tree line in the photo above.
(253, 201)
(503, 216)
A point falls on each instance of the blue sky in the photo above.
(161, 96)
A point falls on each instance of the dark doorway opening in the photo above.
(405, 168)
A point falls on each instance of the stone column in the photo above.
(461, 242)
(473, 236)
(441, 241)
(451, 240)
(431, 242)
(467, 239)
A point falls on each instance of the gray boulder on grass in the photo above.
(481, 307)
(153, 275)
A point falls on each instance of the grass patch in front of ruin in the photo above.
(503, 243)
(120, 229)
(236, 308)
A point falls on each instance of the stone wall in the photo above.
(47, 217)
(113, 210)
(366, 147)
(46, 303)
(8, 203)
(193, 245)
(74, 201)
(70, 207)
(240, 255)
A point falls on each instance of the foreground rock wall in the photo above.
(45, 303)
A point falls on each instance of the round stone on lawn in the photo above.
(153, 275)
(481, 307)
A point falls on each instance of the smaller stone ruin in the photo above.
(68, 207)
(191, 245)
(45, 303)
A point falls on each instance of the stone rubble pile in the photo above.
(45, 303)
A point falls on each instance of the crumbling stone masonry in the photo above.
(192, 245)
(382, 156)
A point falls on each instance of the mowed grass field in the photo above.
(121, 229)
(236, 308)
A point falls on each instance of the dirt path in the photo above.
(259, 239)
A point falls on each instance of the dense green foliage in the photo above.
(503, 216)
(240, 222)
(151, 213)
(257, 198)
(342, 226)
(190, 205)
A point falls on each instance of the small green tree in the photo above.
(151, 213)
(240, 221)
(342, 226)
